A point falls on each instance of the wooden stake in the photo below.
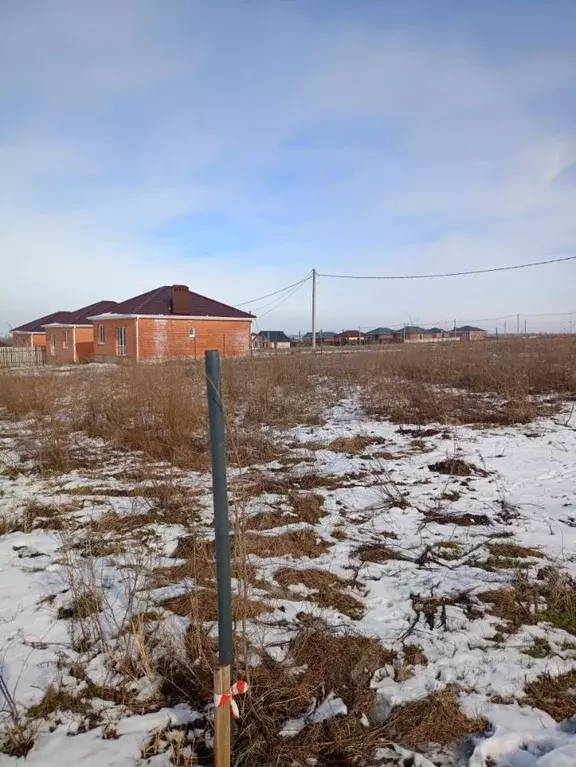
(222, 718)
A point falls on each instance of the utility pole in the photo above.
(505, 332)
(518, 324)
(313, 309)
(525, 329)
(222, 547)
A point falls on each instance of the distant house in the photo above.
(70, 338)
(380, 336)
(347, 337)
(32, 335)
(470, 333)
(170, 322)
(271, 339)
(3, 344)
(322, 337)
(411, 333)
(436, 333)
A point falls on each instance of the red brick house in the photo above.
(32, 335)
(71, 337)
(347, 337)
(170, 322)
(380, 336)
(470, 333)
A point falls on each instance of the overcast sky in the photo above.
(234, 145)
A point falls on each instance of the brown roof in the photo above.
(3, 345)
(159, 301)
(37, 326)
(81, 316)
(349, 334)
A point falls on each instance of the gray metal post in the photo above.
(220, 496)
(313, 308)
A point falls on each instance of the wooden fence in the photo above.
(11, 356)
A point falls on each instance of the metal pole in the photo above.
(313, 308)
(517, 324)
(505, 331)
(525, 327)
(220, 496)
(222, 546)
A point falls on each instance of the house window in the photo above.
(65, 340)
(121, 341)
(53, 343)
(191, 332)
(101, 334)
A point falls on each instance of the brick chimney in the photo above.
(179, 300)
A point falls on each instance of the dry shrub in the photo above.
(200, 563)
(343, 665)
(415, 655)
(554, 694)
(513, 550)
(551, 599)
(355, 444)
(436, 719)
(297, 543)
(328, 589)
(308, 507)
(336, 599)
(456, 467)
(311, 577)
(463, 520)
(202, 604)
(36, 516)
(509, 556)
(377, 553)
(267, 520)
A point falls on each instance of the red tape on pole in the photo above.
(239, 688)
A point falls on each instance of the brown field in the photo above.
(119, 453)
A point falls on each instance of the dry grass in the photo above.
(436, 719)
(551, 598)
(327, 588)
(311, 577)
(297, 543)
(554, 694)
(201, 604)
(462, 520)
(161, 409)
(456, 467)
(355, 444)
(377, 553)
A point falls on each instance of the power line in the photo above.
(275, 293)
(445, 274)
(262, 309)
(284, 298)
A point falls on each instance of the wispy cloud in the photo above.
(236, 145)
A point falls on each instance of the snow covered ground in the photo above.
(418, 525)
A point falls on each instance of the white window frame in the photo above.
(101, 334)
(65, 340)
(191, 332)
(121, 341)
(53, 344)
